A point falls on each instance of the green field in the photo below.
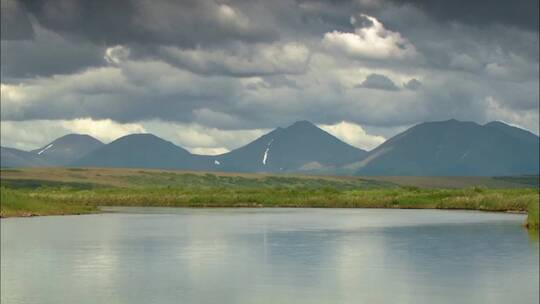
(74, 191)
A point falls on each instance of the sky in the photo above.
(212, 75)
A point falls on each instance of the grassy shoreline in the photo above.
(81, 191)
(58, 201)
(15, 203)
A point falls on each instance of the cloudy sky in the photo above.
(212, 75)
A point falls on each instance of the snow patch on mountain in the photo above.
(265, 156)
(45, 149)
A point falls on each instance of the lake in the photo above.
(177, 255)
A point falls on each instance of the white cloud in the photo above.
(354, 135)
(371, 41)
(31, 134)
(28, 135)
(495, 110)
(116, 54)
(200, 139)
(11, 94)
(209, 151)
(105, 129)
(228, 16)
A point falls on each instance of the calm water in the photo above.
(163, 255)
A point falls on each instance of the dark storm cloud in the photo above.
(518, 13)
(84, 28)
(186, 23)
(46, 54)
(258, 64)
(378, 82)
(15, 23)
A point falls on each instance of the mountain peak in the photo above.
(295, 148)
(139, 135)
(144, 139)
(452, 123)
(496, 123)
(141, 150)
(75, 137)
(67, 148)
(302, 124)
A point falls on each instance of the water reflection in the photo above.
(269, 256)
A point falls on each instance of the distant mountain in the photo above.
(67, 149)
(454, 148)
(451, 148)
(299, 147)
(139, 151)
(15, 158)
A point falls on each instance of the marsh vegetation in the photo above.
(74, 191)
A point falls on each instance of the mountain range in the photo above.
(443, 148)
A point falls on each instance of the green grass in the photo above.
(63, 191)
(20, 203)
(325, 197)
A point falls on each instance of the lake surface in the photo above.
(164, 255)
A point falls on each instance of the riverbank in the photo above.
(65, 200)
(81, 191)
